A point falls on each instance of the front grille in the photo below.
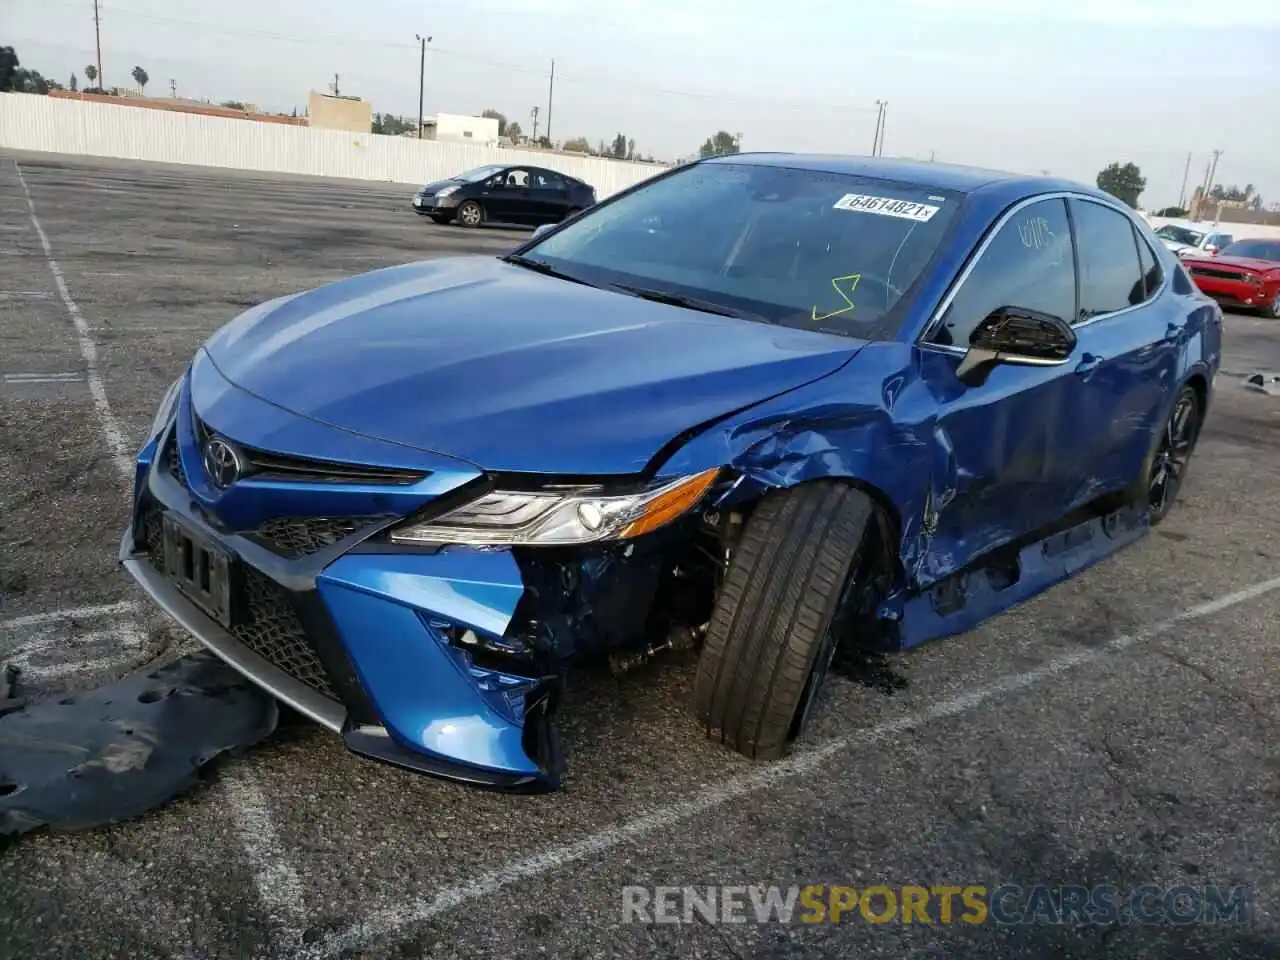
(268, 624)
(1218, 274)
(297, 537)
(276, 466)
(272, 630)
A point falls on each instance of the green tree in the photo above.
(619, 148)
(631, 149)
(514, 133)
(91, 72)
(723, 142)
(1124, 181)
(495, 115)
(8, 67)
(1171, 212)
(75, 84)
(576, 145)
(140, 77)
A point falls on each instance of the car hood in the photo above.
(1245, 263)
(511, 369)
(439, 185)
(1176, 245)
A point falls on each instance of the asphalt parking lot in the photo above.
(1120, 729)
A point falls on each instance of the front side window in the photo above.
(1027, 264)
(799, 248)
(1110, 275)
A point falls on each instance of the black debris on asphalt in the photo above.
(113, 753)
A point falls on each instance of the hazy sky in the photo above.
(1026, 85)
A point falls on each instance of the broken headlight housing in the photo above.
(164, 413)
(559, 516)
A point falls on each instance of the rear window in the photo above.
(798, 248)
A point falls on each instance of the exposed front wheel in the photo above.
(470, 214)
(771, 640)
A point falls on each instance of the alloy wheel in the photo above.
(469, 214)
(1171, 458)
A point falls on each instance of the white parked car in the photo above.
(1184, 237)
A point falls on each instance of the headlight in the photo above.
(555, 517)
(447, 191)
(165, 411)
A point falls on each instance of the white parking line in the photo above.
(68, 613)
(813, 760)
(275, 879)
(112, 432)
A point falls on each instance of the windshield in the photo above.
(1180, 235)
(821, 251)
(1255, 249)
(479, 173)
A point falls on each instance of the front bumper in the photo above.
(1236, 293)
(357, 635)
(434, 206)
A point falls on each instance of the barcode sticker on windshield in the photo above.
(887, 207)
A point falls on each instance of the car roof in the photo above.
(924, 173)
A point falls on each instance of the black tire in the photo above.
(440, 217)
(469, 214)
(1171, 455)
(770, 640)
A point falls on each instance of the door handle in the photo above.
(1088, 363)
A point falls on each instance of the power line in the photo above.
(593, 79)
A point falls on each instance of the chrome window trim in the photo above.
(944, 304)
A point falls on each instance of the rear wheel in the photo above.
(1273, 311)
(1168, 465)
(771, 640)
(470, 214)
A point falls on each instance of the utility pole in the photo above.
(551, 89)
(1182, 194)
(173, 89)
(335, 85)
(422, 73)
(97, 39)
(875, 141)
(1213, 172)
(534, 113)
(884, 114)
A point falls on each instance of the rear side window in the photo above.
(1027, 264)
(1110, 275)
(1152, 275)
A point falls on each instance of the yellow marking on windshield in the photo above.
(852, 280)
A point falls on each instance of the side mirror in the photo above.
(1018, 336)
(543, 229)
(1211, 250)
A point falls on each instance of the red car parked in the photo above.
(1244, 274)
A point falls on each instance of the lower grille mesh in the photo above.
(269, 625)
(273, 631)
(297, 537)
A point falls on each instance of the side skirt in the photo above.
(962, 601)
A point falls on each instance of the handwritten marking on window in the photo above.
(850, 284)
(1035, 233)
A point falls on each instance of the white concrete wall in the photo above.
(29, 122)
(1241, 231)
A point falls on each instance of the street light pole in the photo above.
(422, 72)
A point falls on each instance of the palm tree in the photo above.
(91, 72)
(140, 78)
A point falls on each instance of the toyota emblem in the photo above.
(222, 463)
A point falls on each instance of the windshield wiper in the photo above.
(540, 266)
(689, 303)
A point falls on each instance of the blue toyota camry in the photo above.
(761, 406)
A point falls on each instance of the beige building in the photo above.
(339, 113)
